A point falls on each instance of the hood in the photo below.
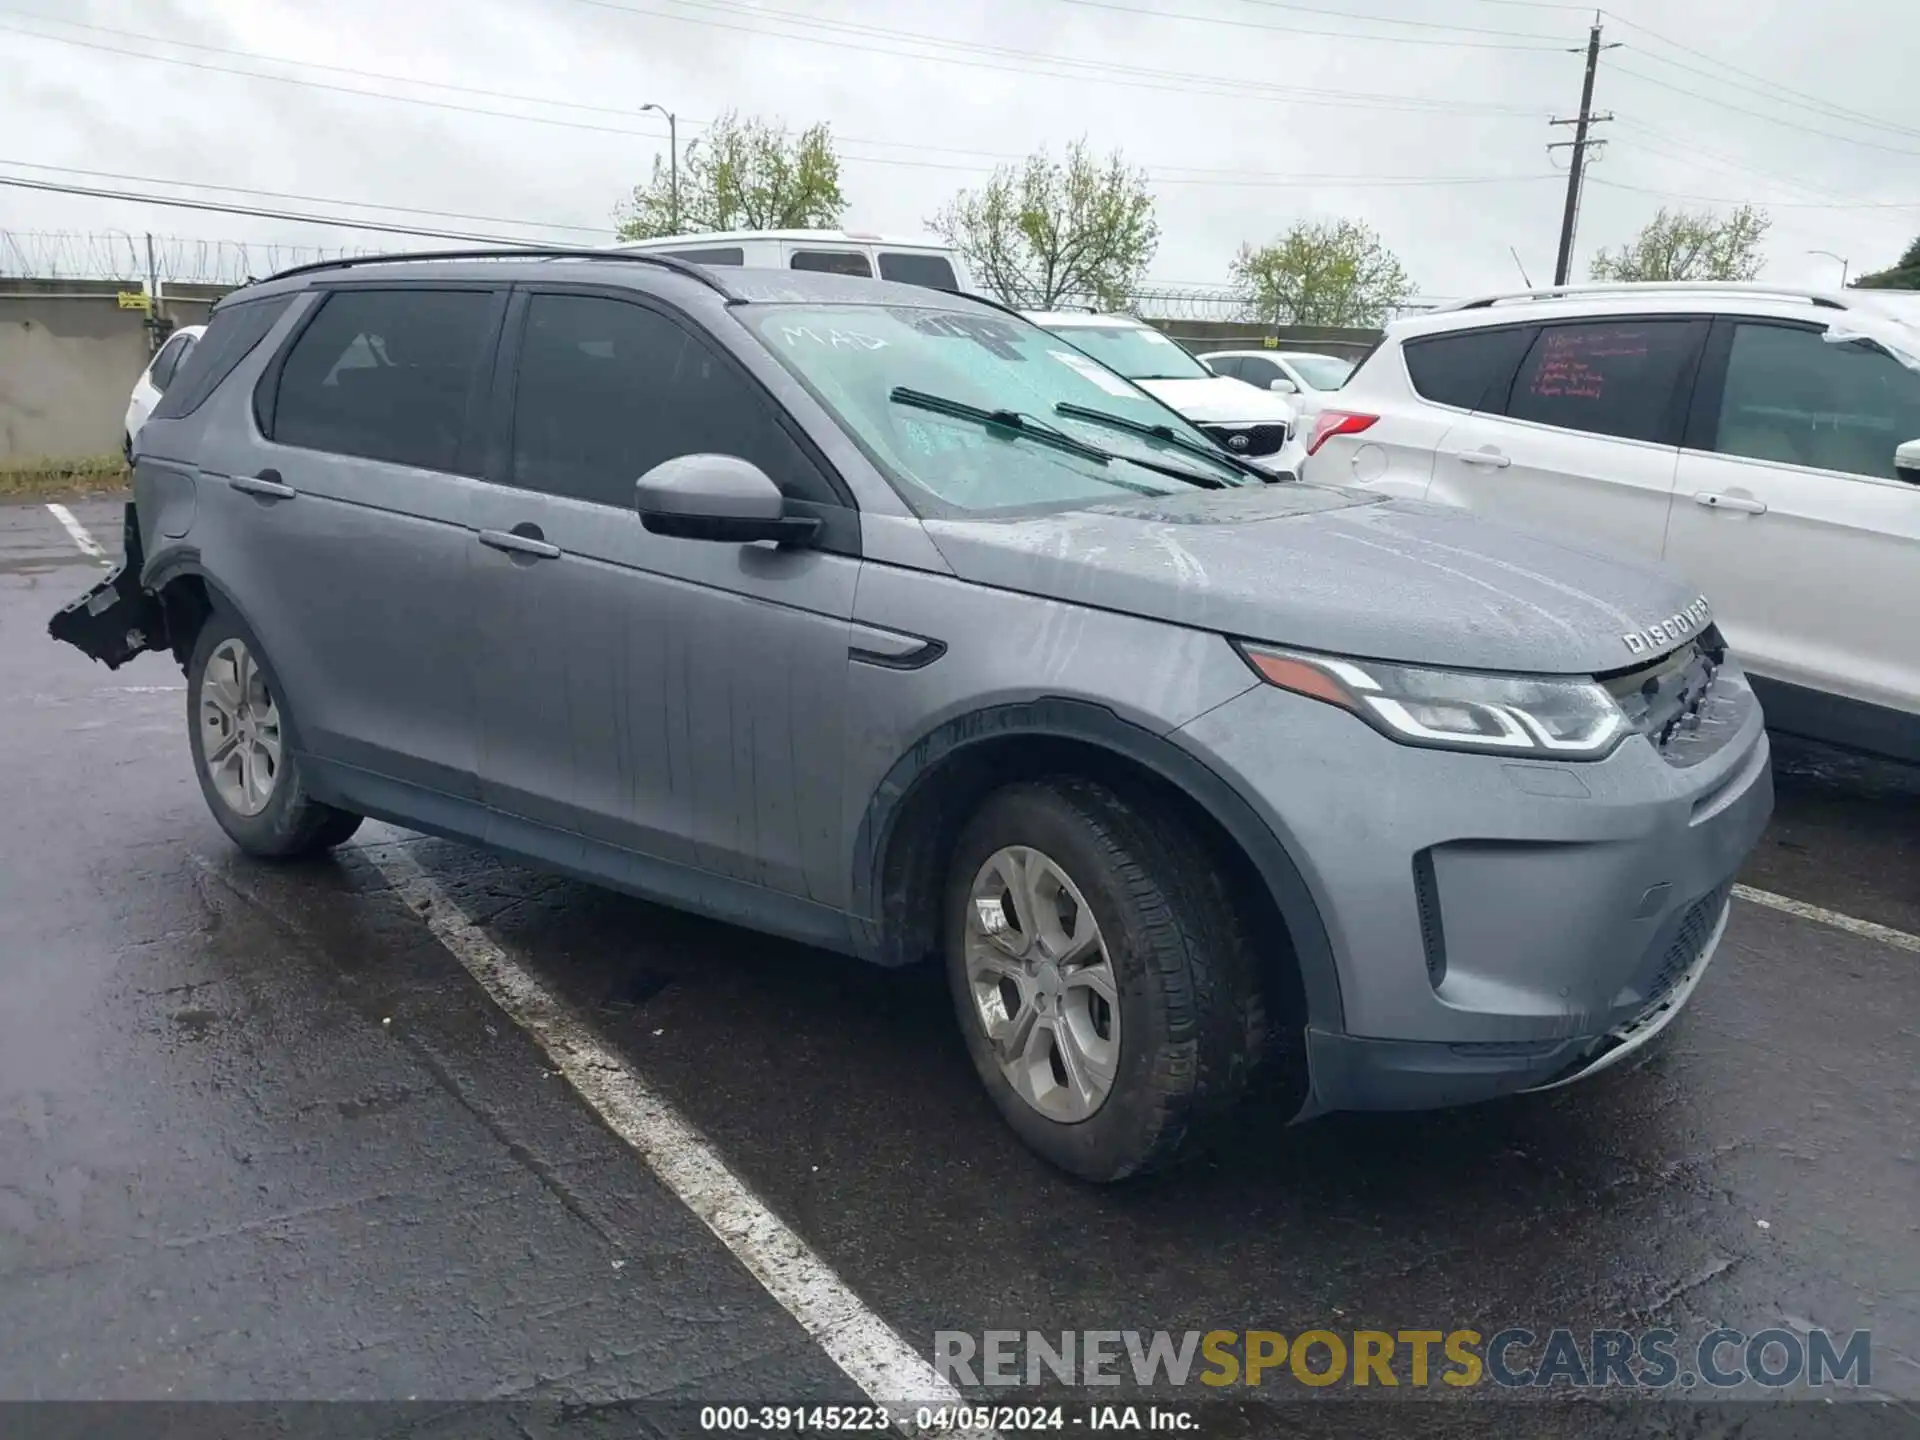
(1344, 571)
(1218, 400)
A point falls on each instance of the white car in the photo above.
(153, 381)
(1307, 375)
(1761, 441)
(1252, 424)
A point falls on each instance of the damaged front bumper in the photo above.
(119, 618)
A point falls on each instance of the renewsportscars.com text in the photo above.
(1513, 1358)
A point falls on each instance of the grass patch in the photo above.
(50, 479)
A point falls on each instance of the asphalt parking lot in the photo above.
(265, 1135)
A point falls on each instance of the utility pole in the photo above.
(673, 159)
(1576, 169)
(154, 318)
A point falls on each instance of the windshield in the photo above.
(857, 360)
(1138, 352)
(1322, 372)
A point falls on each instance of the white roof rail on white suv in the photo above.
(1750, 435)
(1718, 289)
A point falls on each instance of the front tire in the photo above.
(1101, 977)
(238, 727)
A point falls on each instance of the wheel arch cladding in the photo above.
(907, 832)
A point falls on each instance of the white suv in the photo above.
(1254, 424)
(1758, 440)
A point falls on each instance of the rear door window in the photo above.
(1227, 365)
(724, 255)
(932, 271)
(387, 375)
(236, 327)
(832, 262)
(1469, 369)
(1631, 379)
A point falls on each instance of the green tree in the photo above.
(1049, 230)
(741, 175)
(1690, 245)
(1904, 276)
(1321, 272)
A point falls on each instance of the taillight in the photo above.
(1329, 423)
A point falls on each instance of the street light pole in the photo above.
(673, 158)
(1844, 266)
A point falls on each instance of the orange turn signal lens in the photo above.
(1299, 677)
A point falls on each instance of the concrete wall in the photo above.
(68, 358)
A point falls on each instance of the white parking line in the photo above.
(870, 1351)
(88, 545)
(1885, 934)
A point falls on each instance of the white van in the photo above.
(926, 262)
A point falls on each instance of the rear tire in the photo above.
(1102, 1089)
(243, 755)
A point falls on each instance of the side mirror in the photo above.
(1906, 462)
(1283, 385)
(717, 497)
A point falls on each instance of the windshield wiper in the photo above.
(1012, 420)
(1165, 433)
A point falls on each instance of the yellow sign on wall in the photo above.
(134, 300)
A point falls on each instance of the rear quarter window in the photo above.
(235, 329)
(932, 271)
(1469, 369)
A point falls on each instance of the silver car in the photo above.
(860, 614)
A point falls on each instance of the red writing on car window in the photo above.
(1574, 363)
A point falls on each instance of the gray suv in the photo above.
(876, 618)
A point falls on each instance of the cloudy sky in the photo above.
(1426, 118)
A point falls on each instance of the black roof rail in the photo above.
(665, 262)
(990, 303)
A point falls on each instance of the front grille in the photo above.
(1696, 927)
(1261, 439)
(1674, 700)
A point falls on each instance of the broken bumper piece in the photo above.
(118, 618)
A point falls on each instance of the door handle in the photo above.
(1485, 459)
(267, 485)
(1745, 504)
(515, 542)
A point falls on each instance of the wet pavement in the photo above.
(262, 1135)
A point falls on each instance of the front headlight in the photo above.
(1567, 717)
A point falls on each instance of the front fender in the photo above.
(878, 934)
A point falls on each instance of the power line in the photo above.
(1394, 20)
(1796, 126)
(1098, 73)
(1763, 204)
(1512, 43)
(1840, 110)
(1826, 112)
(305, 199)
(1019, 61)
(1691, 153)
(217, 208)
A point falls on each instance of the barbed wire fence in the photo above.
(121, 255)
(180, 259)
